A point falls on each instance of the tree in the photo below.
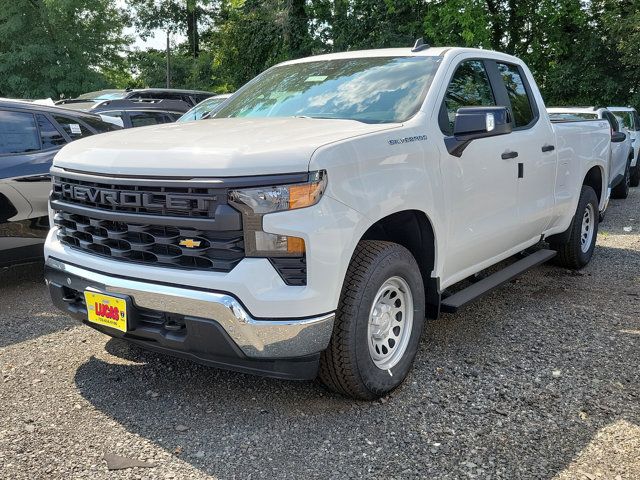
(147, 69)
(50, 48)
(253, 35)
(184, 16)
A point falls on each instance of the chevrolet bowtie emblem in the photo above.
(190, 243)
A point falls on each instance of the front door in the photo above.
(480, 186)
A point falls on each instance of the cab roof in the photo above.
(402, 52)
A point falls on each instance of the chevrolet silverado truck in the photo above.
(328, 208)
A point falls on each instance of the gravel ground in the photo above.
(538, 380)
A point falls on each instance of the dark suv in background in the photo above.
(30, 136)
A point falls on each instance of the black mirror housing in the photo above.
(617, 137)
(472, 123)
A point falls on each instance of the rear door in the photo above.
(533, 141)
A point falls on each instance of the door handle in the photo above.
(548, 148)
(508, 154)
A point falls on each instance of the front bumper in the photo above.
(206, 326)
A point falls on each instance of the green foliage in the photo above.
(148, 69)
(184, 16)
(50, 48)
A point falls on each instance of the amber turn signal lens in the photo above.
(304, 195)
(295, 245)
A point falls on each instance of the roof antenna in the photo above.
(420, 45)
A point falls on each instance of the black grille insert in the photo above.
(152, 244)
(293, 270)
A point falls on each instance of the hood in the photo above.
(220, 147)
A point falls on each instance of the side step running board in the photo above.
(454, 302)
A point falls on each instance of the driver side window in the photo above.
(469, 87)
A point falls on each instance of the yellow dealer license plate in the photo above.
(106, 310)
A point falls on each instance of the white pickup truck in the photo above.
(311, 226)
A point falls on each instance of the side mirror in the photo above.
(617, 137)
(472, 123)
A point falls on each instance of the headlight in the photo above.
(271, 199)
(254, 203)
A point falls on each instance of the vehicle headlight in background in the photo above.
(256, 202)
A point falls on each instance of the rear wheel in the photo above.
(577, 250)
(378, 323)
(634, 180)
(622, 189)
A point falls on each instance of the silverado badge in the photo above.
(190, 243)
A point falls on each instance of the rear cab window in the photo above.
(574, 117)
(521, 106)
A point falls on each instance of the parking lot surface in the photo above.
(538, 380)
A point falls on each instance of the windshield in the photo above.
(206, 106)
(371, 90)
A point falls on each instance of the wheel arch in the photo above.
(594, 178)
(414, 230)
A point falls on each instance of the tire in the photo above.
(574, 253)
(347, 366)
(634, 179)
(622, 189)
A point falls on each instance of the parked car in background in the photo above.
(205, 108)
(141, 113)
(30, 136)
(330, 207)
(621, 147)
(84, 101)
(631, 121)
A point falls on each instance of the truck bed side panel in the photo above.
(580, 146)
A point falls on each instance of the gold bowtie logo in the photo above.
(190, 243)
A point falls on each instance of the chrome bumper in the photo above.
(256, 338)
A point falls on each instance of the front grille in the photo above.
(152, 244)
(166, 224)
(162, 200)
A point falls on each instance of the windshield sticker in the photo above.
(400, 141)
(316, 78)
(75, 129)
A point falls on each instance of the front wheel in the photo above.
(378, 323)
(577, 250)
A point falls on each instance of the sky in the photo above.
(157, 40)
